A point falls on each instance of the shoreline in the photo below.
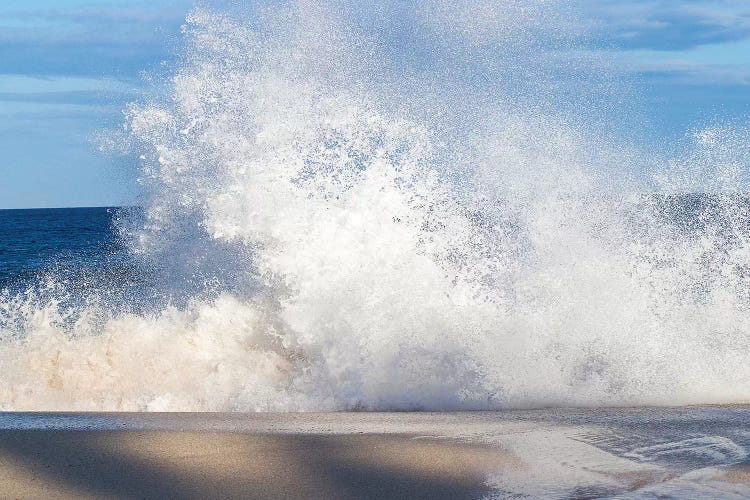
(182, 464)
(538, 453)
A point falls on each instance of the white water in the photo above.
(437, 217)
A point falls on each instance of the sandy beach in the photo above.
(390, 249)
(545, 453)
(156, 464)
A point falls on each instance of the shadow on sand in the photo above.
(157, 464)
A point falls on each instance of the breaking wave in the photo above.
(403, 207)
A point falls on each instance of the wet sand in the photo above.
(627, 453)
(157, 464)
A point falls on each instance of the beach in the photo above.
(543, 453)
(95, 464)
(438, 249)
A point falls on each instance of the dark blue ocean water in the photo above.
(73, 244)
(81, 250)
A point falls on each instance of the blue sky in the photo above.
(67, 67)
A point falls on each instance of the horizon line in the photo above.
(71, 207)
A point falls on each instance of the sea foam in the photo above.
(404, 207)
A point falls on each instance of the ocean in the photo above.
(403, 207)
(93, 317)
(387, 209)
(59, 241)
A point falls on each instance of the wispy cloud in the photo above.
(80, 97)
(90, 24)
(97, 41)
(678, 71)
(668, 24)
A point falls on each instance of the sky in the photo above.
(68, 67)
